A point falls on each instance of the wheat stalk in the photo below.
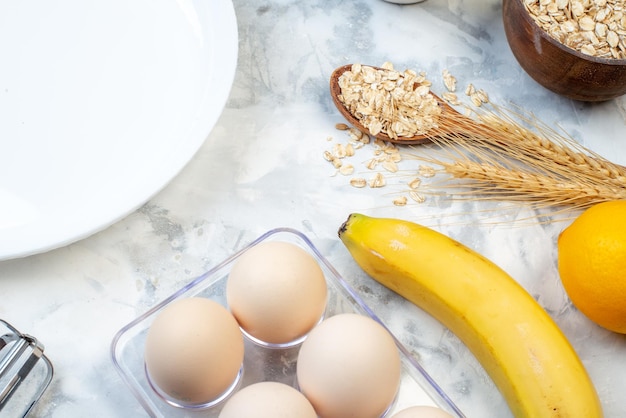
(521, 185)
(550, 147)
(495, 157)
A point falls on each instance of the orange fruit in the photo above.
(592, 264)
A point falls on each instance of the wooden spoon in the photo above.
(448, 121)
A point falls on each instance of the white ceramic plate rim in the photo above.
(104, 103)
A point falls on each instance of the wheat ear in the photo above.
(496, 157)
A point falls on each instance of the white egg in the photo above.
(277, 292)
(194, 350)
(349, 365)
(268, 400)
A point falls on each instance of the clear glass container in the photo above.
(263, 363)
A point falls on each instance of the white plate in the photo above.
(102, 103)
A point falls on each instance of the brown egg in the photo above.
(349, 365)
(268, 400)
(277, 292)
(422, 411)
(194, 350)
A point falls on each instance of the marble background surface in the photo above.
(262, 167)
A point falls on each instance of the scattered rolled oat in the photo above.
(400, 201)
(476, 100)
(346, 169)
(371, 163)
(593, 27)
(482, 95)
(390, 166)
(415, 183)
(385, 157)
(426, 171)
(417, 197)
(449, 81)
(451, 98)
(398, 104)
(358, 182)
(339, 151)
(342, 127)
(377, 181)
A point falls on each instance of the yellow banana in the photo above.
(519, 345)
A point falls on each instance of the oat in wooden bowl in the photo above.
(576, 48)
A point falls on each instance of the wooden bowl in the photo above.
(563, 70)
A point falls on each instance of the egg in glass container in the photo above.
(194, 352)
(268, 400)
(349, 365)
(422, 411)
(277, 292)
